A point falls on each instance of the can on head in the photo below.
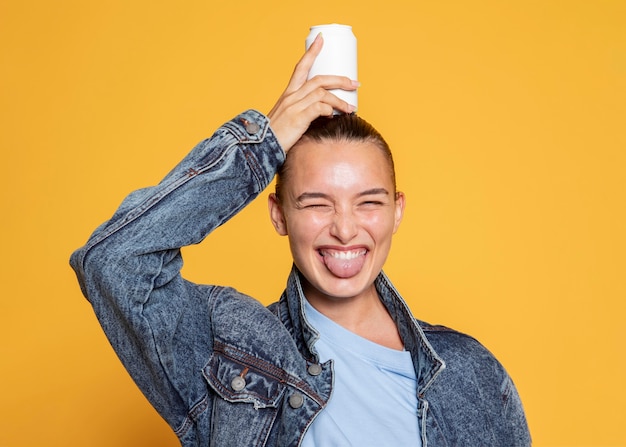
(338, 56)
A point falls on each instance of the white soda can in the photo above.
(338, 56)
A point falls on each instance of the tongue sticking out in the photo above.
(344, 265)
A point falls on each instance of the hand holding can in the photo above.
(338, 57)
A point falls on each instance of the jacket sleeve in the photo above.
(129, 270)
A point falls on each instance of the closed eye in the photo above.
(313, 200)
(314, 206)
(375, 197)
(372, 203)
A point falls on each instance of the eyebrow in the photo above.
(321, 195)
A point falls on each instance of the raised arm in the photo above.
(159, 324)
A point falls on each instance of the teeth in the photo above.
(344, 255)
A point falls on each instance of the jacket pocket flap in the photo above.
(236, 381)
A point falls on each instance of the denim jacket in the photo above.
(222, 369)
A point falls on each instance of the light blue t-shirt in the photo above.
(374, 399)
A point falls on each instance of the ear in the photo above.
(400, 204)
(276, 215)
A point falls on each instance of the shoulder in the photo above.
(243, 323)
(459, 350)
(241, 319)
(446, 337)
(474, 386)
(470, 368)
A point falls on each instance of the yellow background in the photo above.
(507, 121)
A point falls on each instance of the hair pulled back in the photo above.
(339, 128)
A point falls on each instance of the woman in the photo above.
(339, 360)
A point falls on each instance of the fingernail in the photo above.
(356, 83)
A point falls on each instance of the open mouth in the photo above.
(343, 254)
(344, 263)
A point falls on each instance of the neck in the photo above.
(364, 315)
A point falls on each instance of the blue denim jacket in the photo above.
(222, 369)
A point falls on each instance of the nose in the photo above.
(344, 226)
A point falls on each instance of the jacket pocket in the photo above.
(247, 399)
(242, 378)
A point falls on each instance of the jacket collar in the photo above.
(426, 362)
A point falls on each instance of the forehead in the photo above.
(338, 165)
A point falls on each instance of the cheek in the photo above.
(307, 225)
(380, 224)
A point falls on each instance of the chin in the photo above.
(337, 288)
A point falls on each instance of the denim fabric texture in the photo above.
(222, 369)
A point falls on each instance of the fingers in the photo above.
(322, 91)
(305, 100)
(294, 112)
(291, 118)
(327, 82)
(319, 102)
(301, 71)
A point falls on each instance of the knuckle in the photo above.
(323, 109)
(320, 92)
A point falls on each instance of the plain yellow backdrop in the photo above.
(507, 119)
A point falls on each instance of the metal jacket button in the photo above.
(238, 383)
(250, 127)
(315, 369)
(296, 400)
